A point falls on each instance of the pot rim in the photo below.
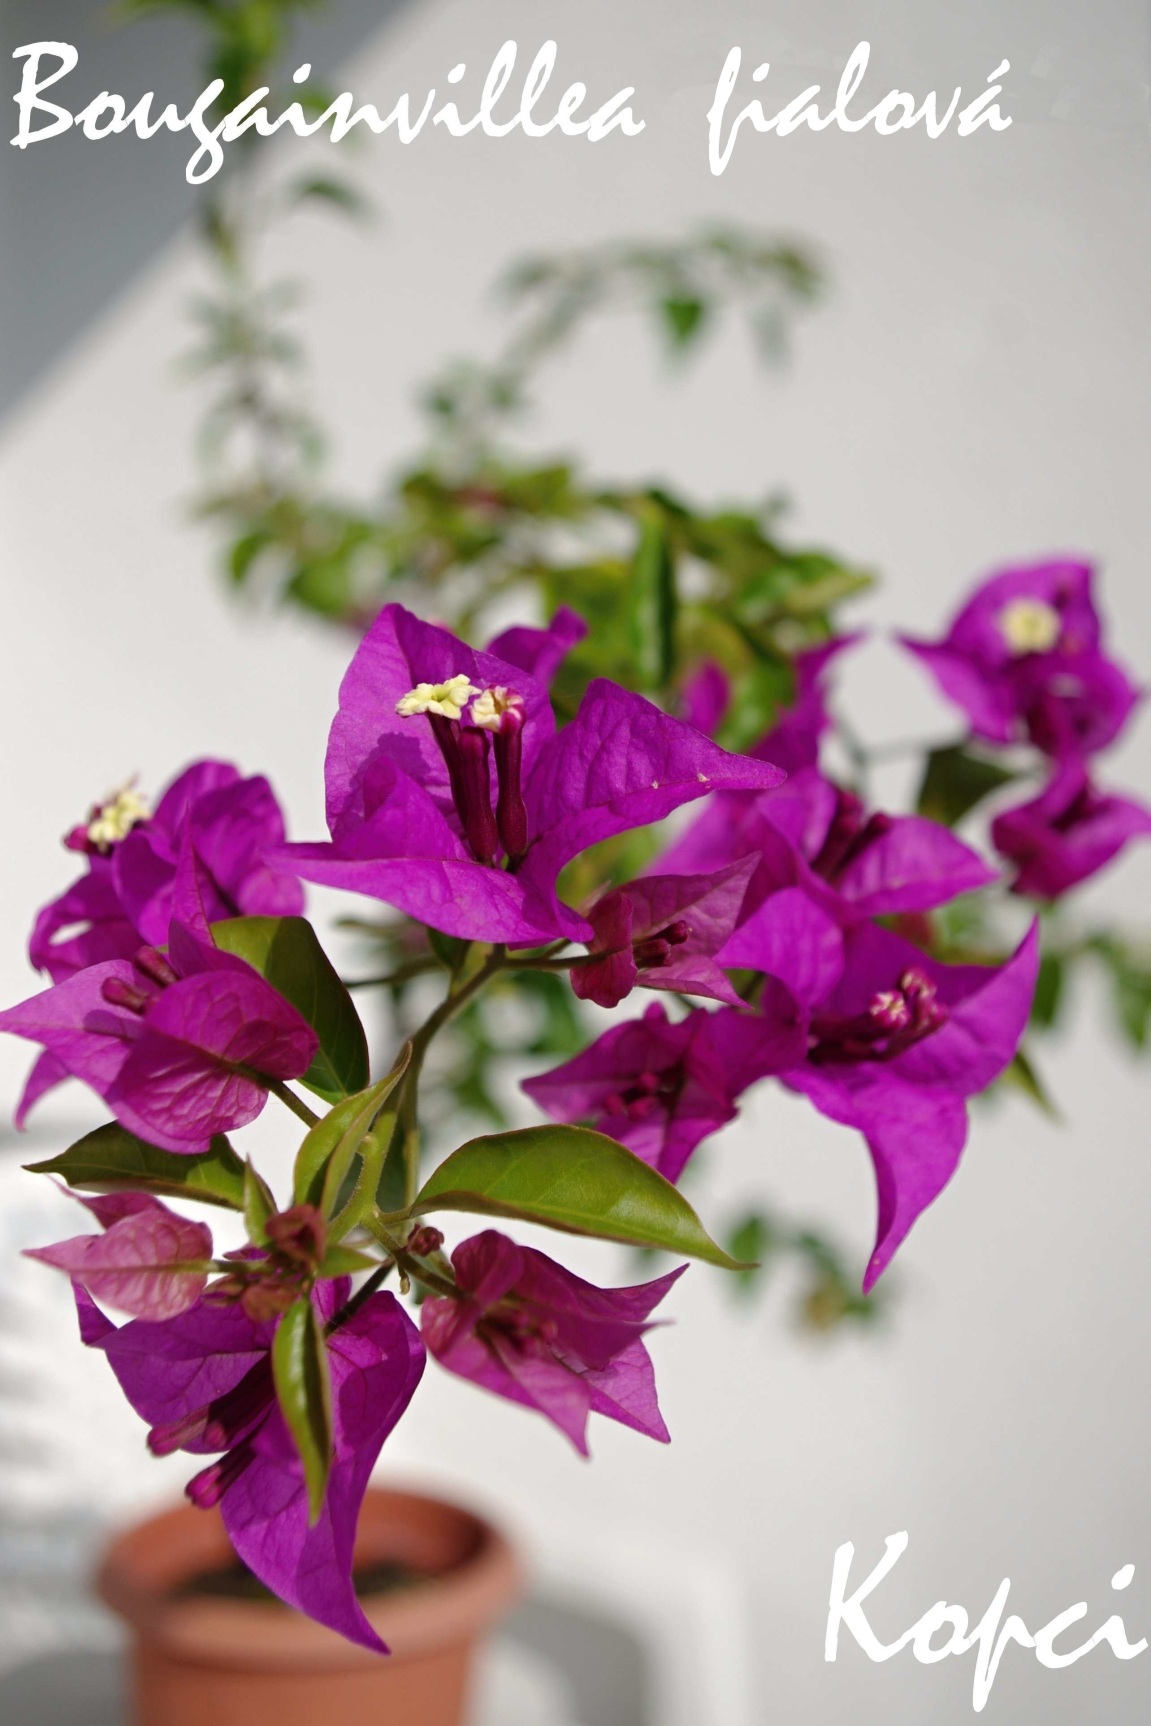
(442, 1611)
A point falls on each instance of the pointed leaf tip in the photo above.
(575, 1180)
(111, 1158)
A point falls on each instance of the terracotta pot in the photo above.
(200, 1660)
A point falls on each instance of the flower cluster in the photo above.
(1025, 661)
(788, 927)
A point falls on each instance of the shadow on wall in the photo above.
(80, 220)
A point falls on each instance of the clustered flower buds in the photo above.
(266, 1283)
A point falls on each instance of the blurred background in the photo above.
(971, 390)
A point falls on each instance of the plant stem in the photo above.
(297, 1104)
(402, 974)
(546, 964)
(407, 1133)
(407, 1263)
(362, 1294)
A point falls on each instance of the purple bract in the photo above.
(222, 827)
(661, 1087)
(451, 795)
(662, 932)
(1068, 833)
(1024, 658)
(180, 1046)
(812, 833)
(531, 1331)
(147, 1261)
(203, 1382)
(896, 1041)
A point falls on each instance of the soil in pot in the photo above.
(236, 1582)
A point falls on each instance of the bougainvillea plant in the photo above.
(793, 935)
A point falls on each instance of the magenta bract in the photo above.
(540, 652)
(793, 741)
(661, 1087)
(531, 1331)
(812, 833)
(1024, 658)
(203, 1382)
(228, 825)
(148, 1261)
(451, 796)
(180, 1047)
(705, 698)
(1068, 833)
(896, 1042)
(663, 932)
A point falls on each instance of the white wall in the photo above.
(976, 390)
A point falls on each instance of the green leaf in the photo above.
(1024, 1076)
(340, 193)
(1133, 1004)
(751, 1243)
(325, 1158)
(757, 695)
(287, 951)
(323, 585)
(1049, 989)
(573, 1179)
(304, 1393)
(955, 780)
(245, 552)
(654, 602)
(111, 1157)
(683, 316)
(1130, 975)
(448, 949)
(259, 1205)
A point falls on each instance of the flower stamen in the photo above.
(501, 712)
(1029, 625)
(892, 1022)
(109, 822)
(447, 699)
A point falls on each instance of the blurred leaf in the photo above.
(572, 1179)
(757, 696)
(287, 951)
(559, 1026)
(323, 585)
(328, 190)
(752, 1243)
(304, 1393)
(1130, 974)
(111, 1157)
(654, 603)
(1023, 1076)
(955, 780)
(245, 553)
(1049, 988)
(1133, 1002)
(684, 316)
(833, 1294)
(448, 949)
